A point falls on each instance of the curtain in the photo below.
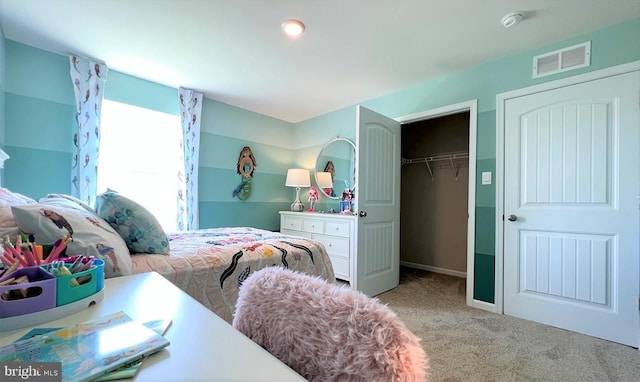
(88, 80)
(190, 113)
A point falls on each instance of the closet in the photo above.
(434, 196)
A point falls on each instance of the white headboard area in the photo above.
(3, 157)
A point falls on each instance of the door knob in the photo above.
(512, 218)
(363, 214)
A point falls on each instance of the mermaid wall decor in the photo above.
(245, 167)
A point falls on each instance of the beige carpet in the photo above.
(467, 344)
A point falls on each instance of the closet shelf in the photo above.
(437, 158)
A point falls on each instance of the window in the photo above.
(140, 158)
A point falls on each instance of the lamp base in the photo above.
(297, 205)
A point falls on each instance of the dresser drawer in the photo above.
(312, 225)
(334, 245)
(337, 228)
(291, 223)
(306, 235)
(340, 267)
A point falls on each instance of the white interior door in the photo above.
(378, 201)
(571, 227)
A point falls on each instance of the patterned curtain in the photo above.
(190, 112)
(88, 84)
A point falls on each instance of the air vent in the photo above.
(573, 57)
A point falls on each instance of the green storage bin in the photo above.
(67, 293)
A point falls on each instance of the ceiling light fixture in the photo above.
(293, 28)
(512, 19)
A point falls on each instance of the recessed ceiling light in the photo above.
(512, 19)
(293, 28)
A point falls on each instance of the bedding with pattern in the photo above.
(210, 264)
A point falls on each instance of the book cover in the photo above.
(127, 371)
(88, 349)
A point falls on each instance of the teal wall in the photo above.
(2, 85)
(39, 104)
(615, 45)
(39, 121)
(38, 128)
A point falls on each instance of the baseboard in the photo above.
(484, 306)
(434, 269)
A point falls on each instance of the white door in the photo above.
(571, 226)
(378, 202)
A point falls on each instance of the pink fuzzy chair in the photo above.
(327, 332)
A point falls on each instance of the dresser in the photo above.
(336, 232)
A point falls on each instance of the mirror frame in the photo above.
(331, 141)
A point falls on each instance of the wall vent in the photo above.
(573, 57)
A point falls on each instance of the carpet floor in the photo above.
(468, 344)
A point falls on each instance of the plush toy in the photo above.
(313, 196)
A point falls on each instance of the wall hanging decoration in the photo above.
(246, 166)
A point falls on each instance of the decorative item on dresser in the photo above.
(336, 232)
(297, 177)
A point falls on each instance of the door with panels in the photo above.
(571, 226)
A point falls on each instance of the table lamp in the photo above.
(325, 182)
(297, 177)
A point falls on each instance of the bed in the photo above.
(211, 264)
(208, 264)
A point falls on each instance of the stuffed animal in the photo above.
(313, 197)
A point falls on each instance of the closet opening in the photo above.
(434, 201)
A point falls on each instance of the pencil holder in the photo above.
(36, 295)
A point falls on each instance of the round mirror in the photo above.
(337, 157)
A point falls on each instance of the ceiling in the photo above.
(352, 50)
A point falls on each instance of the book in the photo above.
(127, 371)
(89, 349)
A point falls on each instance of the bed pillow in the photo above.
(8, 226)
(73, 199)
(54, 218)
(136, 225)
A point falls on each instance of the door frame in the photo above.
(501, 100)
(470, 106)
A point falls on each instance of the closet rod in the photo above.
(436, 158)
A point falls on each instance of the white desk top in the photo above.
(203, 347)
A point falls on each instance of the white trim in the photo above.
(483, 305)
(429, 268)
(501, 100)
(472, 107)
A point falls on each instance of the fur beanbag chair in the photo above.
(327, 332)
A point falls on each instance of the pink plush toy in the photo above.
(313, 197)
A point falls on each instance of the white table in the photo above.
(203, 347)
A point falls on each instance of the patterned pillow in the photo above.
(8, 226)
(136, 225)
(73, 199)
(54, 218)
